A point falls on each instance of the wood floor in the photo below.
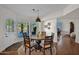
(65, 46)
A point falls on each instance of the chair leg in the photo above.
(25, 50)
(44, 52)
(29, 51)
(35, 50)
(40, 50)
(51, 51)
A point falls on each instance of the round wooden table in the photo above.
(38, 41)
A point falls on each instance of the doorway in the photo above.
(59, 28)
(71, 27)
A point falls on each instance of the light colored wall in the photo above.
(12, 37)
(53, 28)
(66, 27)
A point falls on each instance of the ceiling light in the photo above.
(37, 19)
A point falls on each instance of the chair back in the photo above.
(26, 39)
(49, 39)
(48, 43)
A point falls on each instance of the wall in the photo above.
(52, 29)
(12, 36)
(66, 27)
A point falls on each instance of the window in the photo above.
(10, 25)
(25, 29)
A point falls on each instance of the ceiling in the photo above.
(72, 15)
(44, 9)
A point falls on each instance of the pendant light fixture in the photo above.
(37, 19)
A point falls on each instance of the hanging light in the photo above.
(37, 19)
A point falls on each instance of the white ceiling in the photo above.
(72, 15)
(44, 9)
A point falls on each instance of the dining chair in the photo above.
(48, 43)
(27, 43)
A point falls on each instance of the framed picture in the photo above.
(49, 24)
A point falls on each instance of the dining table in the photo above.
(38, 41)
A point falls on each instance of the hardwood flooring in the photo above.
(65, 46)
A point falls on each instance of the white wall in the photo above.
(77, 30)
(12, 36)
(53, 28)
(66, 27)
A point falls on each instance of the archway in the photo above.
(71, 27)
